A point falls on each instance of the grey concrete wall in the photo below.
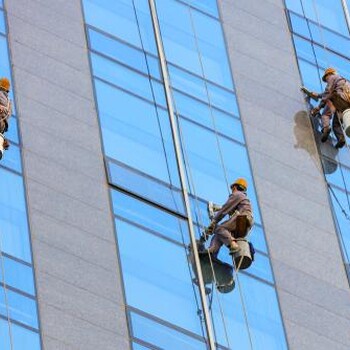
(310, 277)
(77, 274)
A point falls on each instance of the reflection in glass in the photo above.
(18, 275)
(13, 216)
(150, 217)
(157, 277)
(136, 134)
(162, 336)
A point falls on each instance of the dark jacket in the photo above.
(236, 201)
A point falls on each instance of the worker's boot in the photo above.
(234, 247)
(325, 133)
(1, 154)
(340, 143)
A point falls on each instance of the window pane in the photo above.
(5, 343)
(18, 275)
(24, 338)
(263, 314)
(21, 308)
(340, 196)
(12, 158)
(118, 18)
(2, 22)
(208, 6)
(212, 118)
(149, 216)
(13, 216)
(151, 284)
(126, 78)
(144, 186)
(162, 336)
(133, 133)
(12, 133)
(328, 13)
(4, 62)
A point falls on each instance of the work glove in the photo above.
(6, 144)
(315, 111)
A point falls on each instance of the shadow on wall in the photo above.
(304, 140)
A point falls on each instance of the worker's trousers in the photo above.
(329, 111)
(223, 233)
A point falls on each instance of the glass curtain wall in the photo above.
(321, 40)
(19, 328)
(163, 305)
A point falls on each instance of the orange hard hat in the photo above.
(241, 182)
(5, 84)
(328, 71)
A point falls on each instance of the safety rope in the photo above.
(5, 291)
(199, 312)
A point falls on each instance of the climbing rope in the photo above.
(245, 313)
(199, 312)
(5, 292)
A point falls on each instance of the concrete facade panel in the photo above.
(79, 288)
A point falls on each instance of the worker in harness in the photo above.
(239, 208)
(5, 113)
(334, 101)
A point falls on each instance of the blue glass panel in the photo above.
(310, 76)
(330, 39)
(340, 196)
(12, 133)
(324, 57)
(149, 216)
(5, 343)
(152, 283)
(123, 53)
(208, 6)
(126, 78)
(223, 99)
(24, 338)
(18, 275)
(294, 5)
(304, 49)
(257, 237)
(13, 216)
(12, 158)
(299, 25)
(4, 62)
(136, 346)
(341, 177)
(146, 187)
(118, 18)
(212, 118)
(329, 13)
(21, 308)
(263, 314)
(162, 336)
(2, 22)
(212, 48)
(177, 34)
(132, 133)
(187, 83)
(117, 50)
(2, 3)
(261, 267)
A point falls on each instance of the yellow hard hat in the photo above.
(5, 84)
(328, 71)
(241, 182)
